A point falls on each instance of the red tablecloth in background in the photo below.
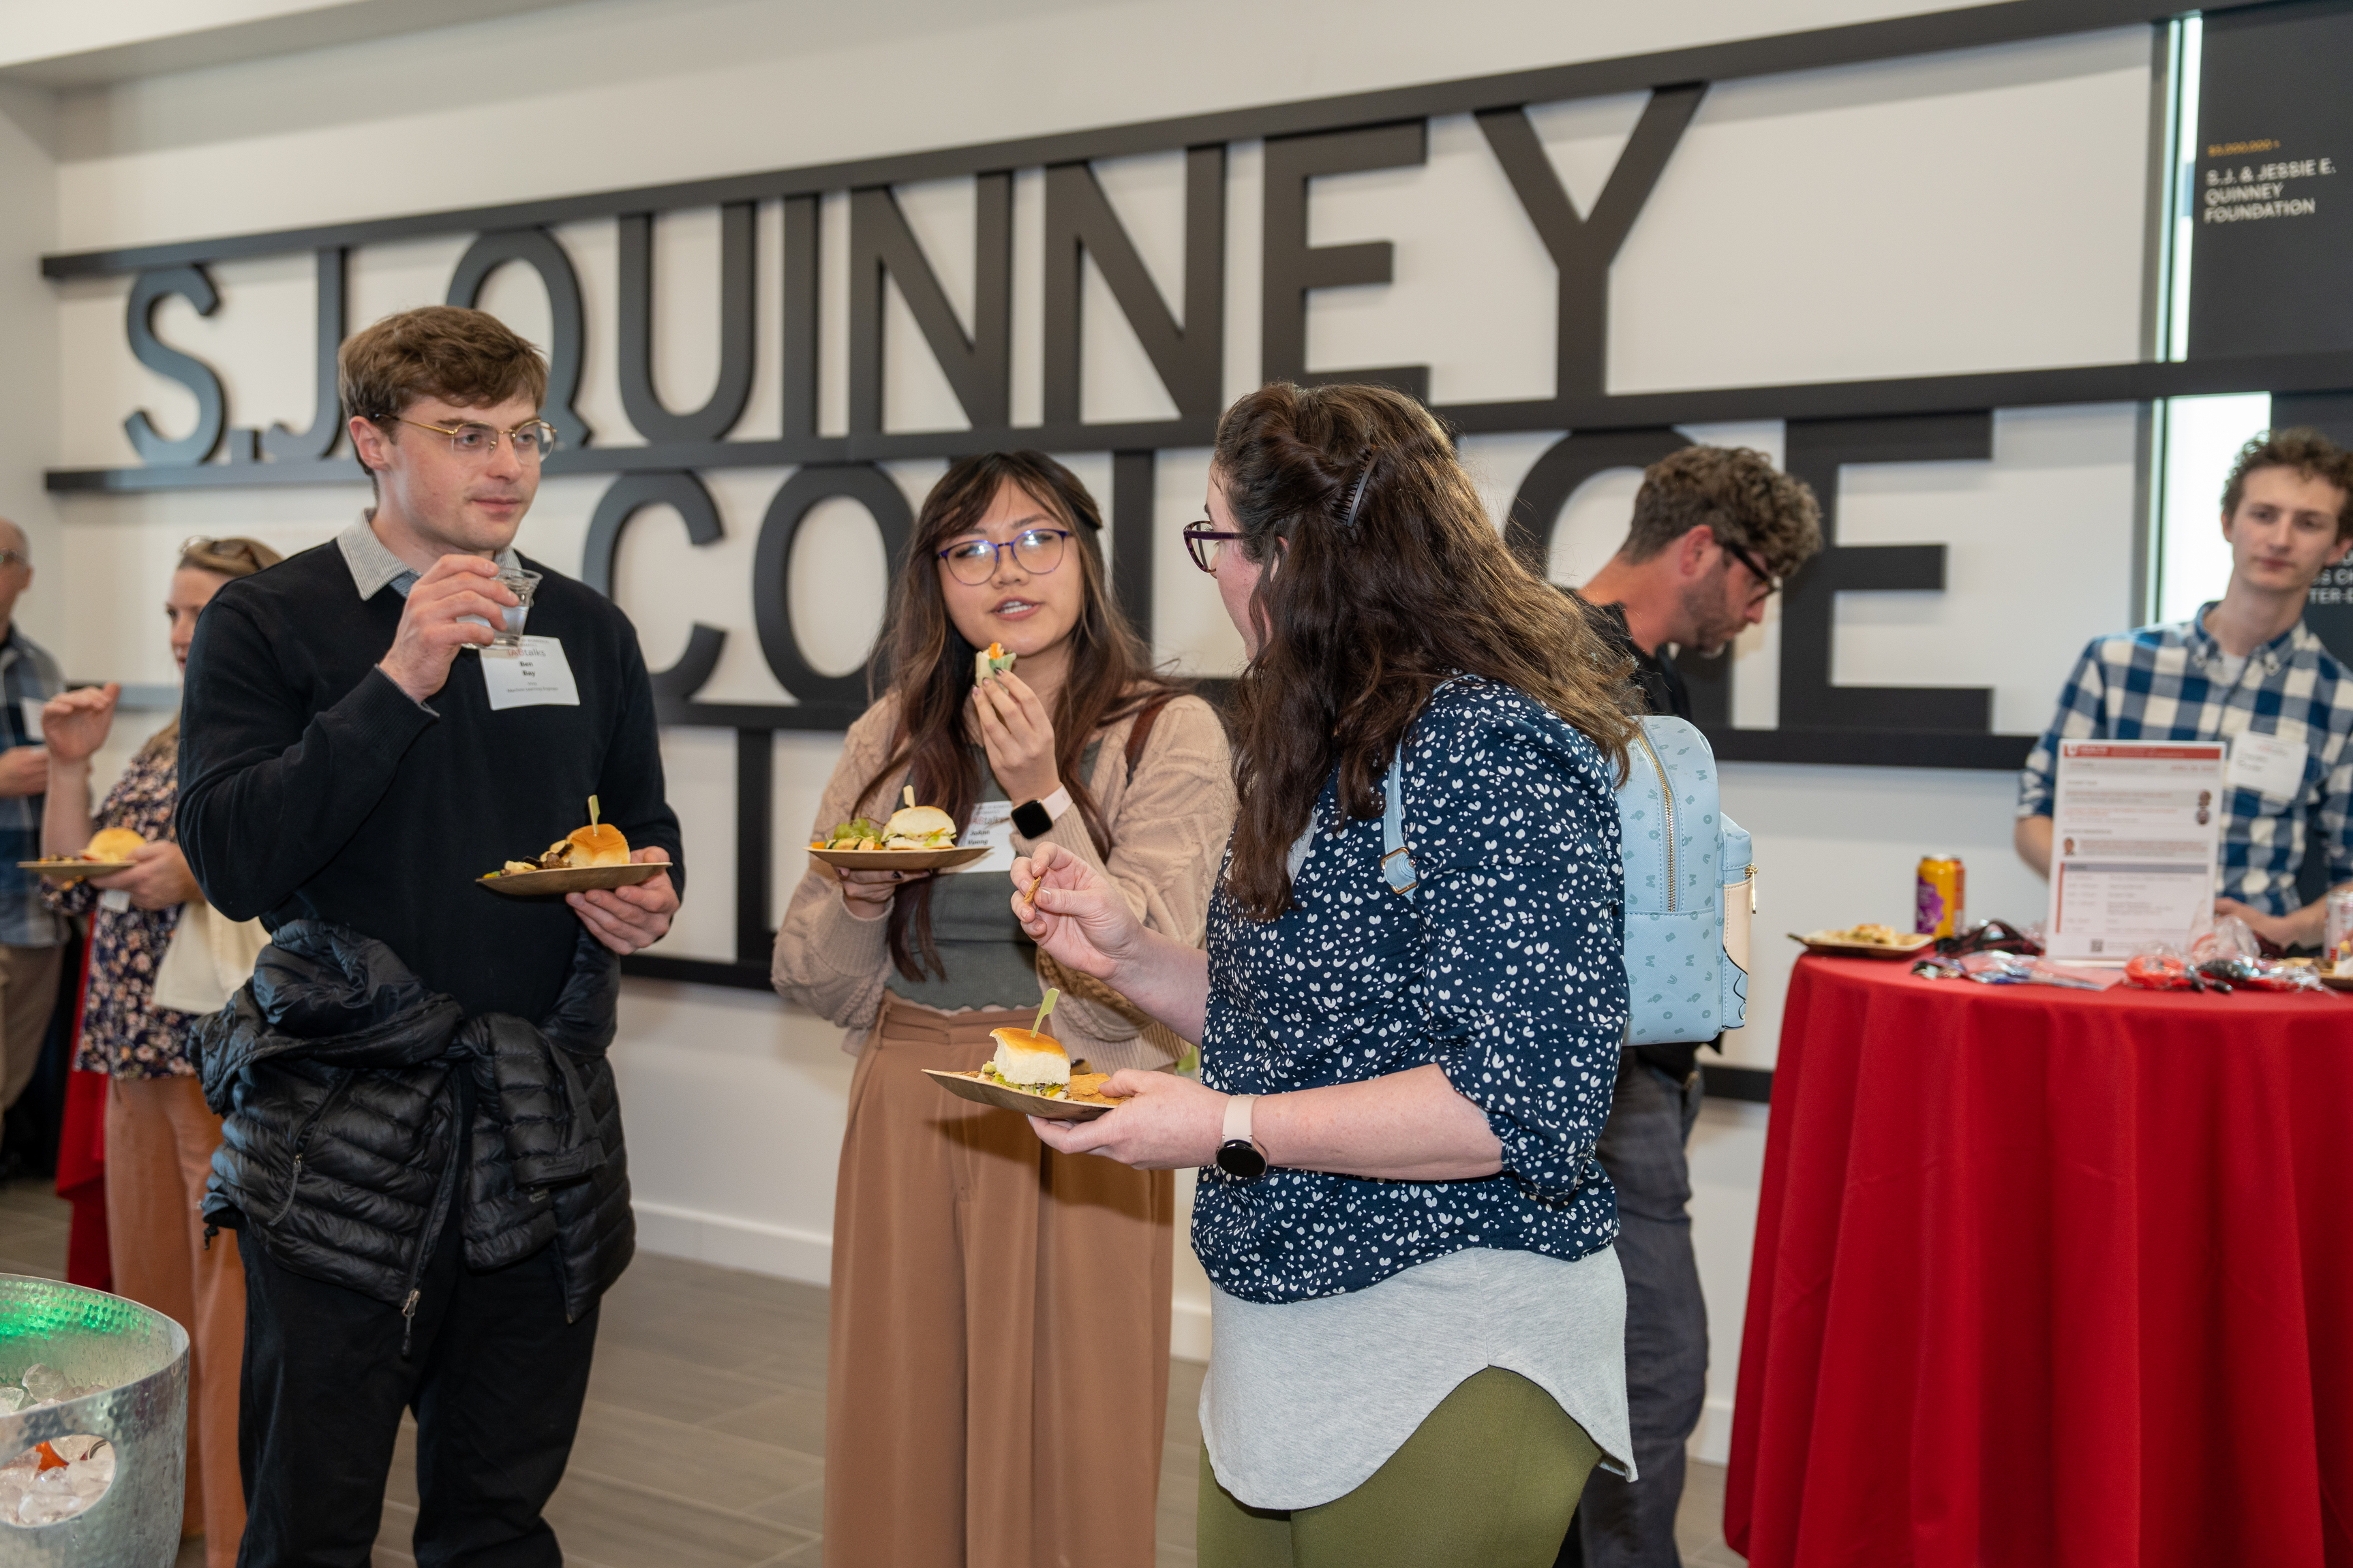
(2048, 1277)
(82, 1155)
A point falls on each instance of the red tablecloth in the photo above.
(2048, 1277)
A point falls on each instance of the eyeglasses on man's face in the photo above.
(1035, 551)
(1748, 558)
(533, 439)
(1203, 540)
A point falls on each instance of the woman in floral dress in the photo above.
(159, 1136)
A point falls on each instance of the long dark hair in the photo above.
(1364, 618)
(930, 666)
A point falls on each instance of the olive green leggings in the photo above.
(1489, 1480)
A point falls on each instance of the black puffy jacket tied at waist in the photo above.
(345, 1081)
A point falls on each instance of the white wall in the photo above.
(1871, 220)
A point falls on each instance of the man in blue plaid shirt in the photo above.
(2244, 668)
(31, 938)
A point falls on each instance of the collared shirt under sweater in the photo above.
(313, 787)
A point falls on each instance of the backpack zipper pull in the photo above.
(407, 1321)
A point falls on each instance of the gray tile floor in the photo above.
(703, 1445)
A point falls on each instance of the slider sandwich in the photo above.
(113, 844)
(598, 843)
(1028, 1061)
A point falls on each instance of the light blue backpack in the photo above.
(1679, 983)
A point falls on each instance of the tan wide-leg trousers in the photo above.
(160, 1139)
(998, 1379)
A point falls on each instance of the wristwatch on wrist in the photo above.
(1240, 1156)
(1031, 818)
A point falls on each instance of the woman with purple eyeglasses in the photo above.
(997, 1370)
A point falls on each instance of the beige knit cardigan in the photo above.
(1168, 825)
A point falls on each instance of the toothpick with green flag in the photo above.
(1045, 1009)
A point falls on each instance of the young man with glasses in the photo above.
(422, 1154)
(1717, 531)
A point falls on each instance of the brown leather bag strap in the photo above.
(1142, 731)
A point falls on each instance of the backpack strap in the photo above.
(1141, 731)
(1396, 862)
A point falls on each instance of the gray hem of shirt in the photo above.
(1305, 1400)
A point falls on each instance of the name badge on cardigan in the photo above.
(539, 677)
(992, 824)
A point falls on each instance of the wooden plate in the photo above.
(973, 1086)
(74, 870)
(572, 879)
(899, 859)
(1909, 944)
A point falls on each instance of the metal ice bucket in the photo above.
(139, 1359)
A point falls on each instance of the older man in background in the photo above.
(31, 938)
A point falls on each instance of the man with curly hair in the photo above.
(1717, 531)
(2247, 670)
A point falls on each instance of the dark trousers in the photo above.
(495, 1375)
(1631, 1524)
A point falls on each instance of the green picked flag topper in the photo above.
(1045, 1009)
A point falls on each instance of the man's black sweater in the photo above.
(312, 787)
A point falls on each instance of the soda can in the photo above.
(1942, 887)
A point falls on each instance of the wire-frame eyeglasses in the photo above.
(531, 440)
(1035, 551)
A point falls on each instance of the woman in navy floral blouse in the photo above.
(160, 1134)
(1418, 1320)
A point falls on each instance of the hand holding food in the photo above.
(159, 878)
(1080, 920)
(1017, 733)
(991, 660)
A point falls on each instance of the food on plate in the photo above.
(1030, 1062)
(598, 843)
(113, 844)
(1869, 934)
(911, 828)
(1086, 1087)
(990, 661)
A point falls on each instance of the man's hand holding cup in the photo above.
(434, 624)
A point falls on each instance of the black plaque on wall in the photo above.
(2270, 199)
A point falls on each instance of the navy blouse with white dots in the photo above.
(1505, 969)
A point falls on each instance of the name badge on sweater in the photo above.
(992, 824)
(539, 677)
(2267, 764)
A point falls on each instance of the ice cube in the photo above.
(13, 1399)
(46, 1383)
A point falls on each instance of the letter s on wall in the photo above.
(212, 409)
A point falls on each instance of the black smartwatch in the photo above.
(1032, 818)
(1240, 1156)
